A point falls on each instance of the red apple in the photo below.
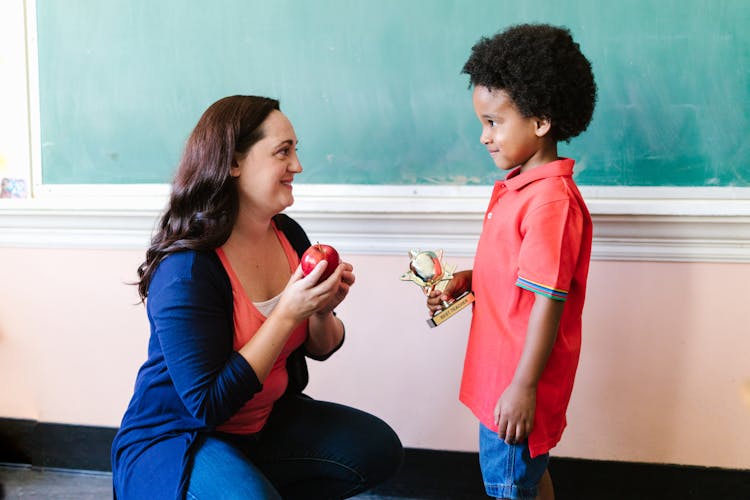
(315, 254)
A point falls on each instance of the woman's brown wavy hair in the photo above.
(203, 202)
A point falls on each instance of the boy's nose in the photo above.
(484, 137)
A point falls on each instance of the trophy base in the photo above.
(462, 301)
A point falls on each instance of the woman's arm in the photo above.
(190, 311)
(302, 298)
(326, 335)
(326, 331)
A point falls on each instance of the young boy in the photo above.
(532, 88)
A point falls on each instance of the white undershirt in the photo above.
(267, 306)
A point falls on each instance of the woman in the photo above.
(218, 409)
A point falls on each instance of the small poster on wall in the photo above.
(12, 188)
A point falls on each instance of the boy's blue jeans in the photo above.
(508, 469)
(308, 449)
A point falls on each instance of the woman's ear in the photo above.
(543, 126)
(234, 170)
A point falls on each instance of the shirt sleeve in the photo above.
(189, 318)
(551, 244)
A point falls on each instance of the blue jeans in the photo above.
(307, 449)
(508, 469)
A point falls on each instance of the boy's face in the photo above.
(511, 138)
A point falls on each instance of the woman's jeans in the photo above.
(307, 449)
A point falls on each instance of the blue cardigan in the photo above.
(193, 380)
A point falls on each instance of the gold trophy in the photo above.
(427, 270)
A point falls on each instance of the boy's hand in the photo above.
(514, 413)
(460, 283)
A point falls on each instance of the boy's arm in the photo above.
(514, 411)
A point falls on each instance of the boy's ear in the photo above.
(543, 126)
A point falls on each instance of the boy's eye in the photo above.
(491, 123)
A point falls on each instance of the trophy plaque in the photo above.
(427, 270)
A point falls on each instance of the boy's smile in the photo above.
(511, 139)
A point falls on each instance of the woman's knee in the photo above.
(380, 450)
(342, 434)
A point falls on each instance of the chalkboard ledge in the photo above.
(601, 200)
(647, 224)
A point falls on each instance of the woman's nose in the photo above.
(296, 166)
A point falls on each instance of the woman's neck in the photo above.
(251, 228)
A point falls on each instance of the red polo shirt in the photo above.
(536, 239)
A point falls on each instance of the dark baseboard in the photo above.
(52, 445)
(435, 474)
(426, 474)
(577, 478)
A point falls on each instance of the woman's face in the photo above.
(265, 173)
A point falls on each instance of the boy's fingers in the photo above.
(502, 427)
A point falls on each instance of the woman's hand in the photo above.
(304, 296)
(326, 332)
(460, 283)
(343, 279)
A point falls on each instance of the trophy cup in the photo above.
(427, 270)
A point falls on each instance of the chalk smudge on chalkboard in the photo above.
(459, 180)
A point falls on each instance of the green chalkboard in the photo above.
(374, 87)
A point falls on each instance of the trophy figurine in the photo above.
(427, 270)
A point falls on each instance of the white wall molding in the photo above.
(650, 224)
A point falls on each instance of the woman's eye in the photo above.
(286, 151)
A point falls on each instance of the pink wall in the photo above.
(666, 349)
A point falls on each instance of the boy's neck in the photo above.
(547, 153)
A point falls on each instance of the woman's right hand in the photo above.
(303, 295)
(460, 283)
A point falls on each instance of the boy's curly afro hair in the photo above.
(543, 71)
